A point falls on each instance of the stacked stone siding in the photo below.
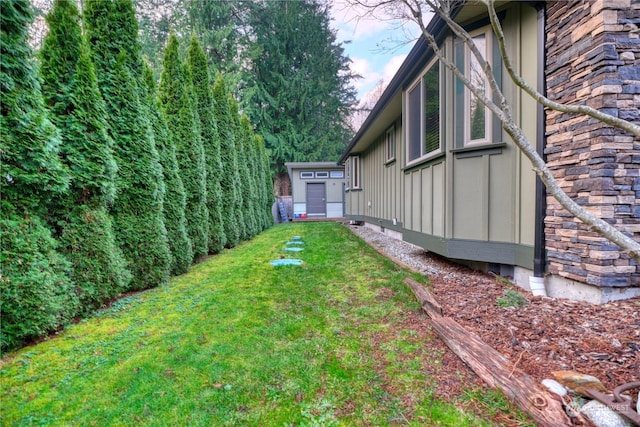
(593, 57)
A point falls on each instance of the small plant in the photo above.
(318, 414)
(511, 298)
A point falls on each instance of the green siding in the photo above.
(477, 204)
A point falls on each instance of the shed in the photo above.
(317, 189)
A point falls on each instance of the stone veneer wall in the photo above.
(593, 57)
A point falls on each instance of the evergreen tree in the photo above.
(244, 215)
(175, 200)
(301, 95)
(250, 187)
(177, 97)
(36, 293)
(197, 65)
(138, 210)
(230, 179)
(267, 182)
(70, 89)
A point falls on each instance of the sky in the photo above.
(378, 45)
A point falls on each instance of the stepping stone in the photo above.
(285, 261)
(294, 249)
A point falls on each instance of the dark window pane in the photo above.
(432, 109)
(414, 123)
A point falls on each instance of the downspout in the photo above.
(536, 282)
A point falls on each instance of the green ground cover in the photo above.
(236, 341)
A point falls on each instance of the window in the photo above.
(323, 174)
(337, 174)
(306, 175)
(423, 115)
(477, 117)
(390, 143)
(352, 169)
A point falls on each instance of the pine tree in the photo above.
(177, 98)
(175, 200)
(197, 65)
(70, 89)
(300, 93)
(37, 295)
(138, 210)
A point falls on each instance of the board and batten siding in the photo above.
(475, 204)
(380, 198)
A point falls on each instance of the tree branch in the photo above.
(521, 83)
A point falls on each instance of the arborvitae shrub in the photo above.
(197, 65)
(70, 89)
(248, 176)
(138, 218)
(237, 159)
(267, 182)
(36, 294)
(174, 199)
(177, 98)
(229, 179)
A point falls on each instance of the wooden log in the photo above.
(427, 300)
(492, 367)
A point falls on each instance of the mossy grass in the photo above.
(236, 341)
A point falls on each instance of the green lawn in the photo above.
(237, 341)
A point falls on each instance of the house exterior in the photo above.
(317, 189)
(432, 166)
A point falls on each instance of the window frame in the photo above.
(336, 174)
(419, 81)
(353, 173)
(322, 174)
(488, 116)
(302, 173)
(390, 144)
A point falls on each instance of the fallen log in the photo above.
(428, 302)
(491, 366)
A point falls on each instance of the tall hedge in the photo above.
(36, 293)
(175, 199)
(236, 159)
(266, 182)
(112, 31)
(249, 178)
(70, 89)
(198, 67)
(230, 179)
(177, 98)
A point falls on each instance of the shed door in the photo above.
(316, 199)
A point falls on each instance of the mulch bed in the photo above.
(543, 336)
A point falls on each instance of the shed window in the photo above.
(323, 174)
(423, 115)
(337, 174)
(306, 175)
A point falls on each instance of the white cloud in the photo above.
(392, 67)
(363, 67)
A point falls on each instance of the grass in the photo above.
(237, 341)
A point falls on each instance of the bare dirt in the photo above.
(542, 336)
